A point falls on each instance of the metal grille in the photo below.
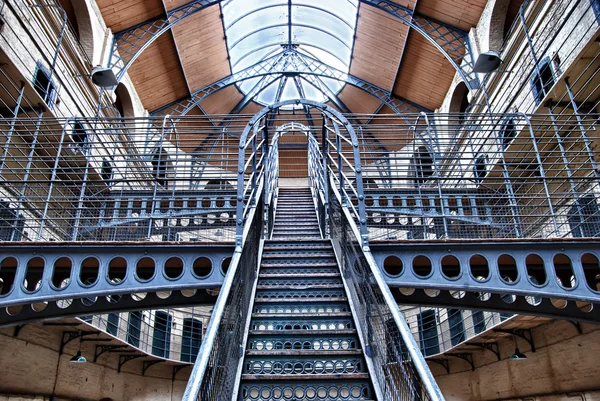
(481, 176)
(393, 357)
(93, 179)
(215, 371)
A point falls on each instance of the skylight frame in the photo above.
(331, 44)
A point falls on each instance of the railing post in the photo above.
(52, 179)
(543, 175)
(436, 170)
(325, 148)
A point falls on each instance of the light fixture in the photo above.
(518, 355)
(104, 77)
(487, 62)
(78, 358)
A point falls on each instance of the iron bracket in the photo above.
(176, 369)
(123, 359)
(524, 334)
(441, 361)
(101, 349)
(493, 347)
(464, 356)
(147, 364)
(68, 336)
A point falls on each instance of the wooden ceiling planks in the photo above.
(157, 74)
(358, 101)
(122, 14)
(462, 14)
(223, 101)
(425, 74)
(378, 46)
(202, 49)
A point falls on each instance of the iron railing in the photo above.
(488, 176)
(398, 369)
(214, 376)
(96, 179)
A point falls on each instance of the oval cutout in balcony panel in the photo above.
(536, 271)
(61, 275)
(450, 266)
(8, 271)
(34, 274)
(117, 270)
(591, 269)
(174, 267)
(202, 267)
(507, 267)
(225, 265)
(422, 266)
(563, 268)
(480, 268)
(145, 269)
(393, 266)
(90, 268)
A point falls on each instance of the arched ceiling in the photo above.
(357, 38)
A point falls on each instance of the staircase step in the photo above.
(301, 315)
(305, 333)
(301, 275)
(300, 300)
(341, 376)
(304, 352)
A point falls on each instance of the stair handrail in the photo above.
(407, 352)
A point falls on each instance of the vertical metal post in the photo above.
(325, 177)
(53, 178)
(512, 200)
(566, 165)
(543, 174)
(340, 163)
(437, 175)
(586, 140)
(27, 171)
(81, 198)
(13, 122)
(155, 189)
(253, 156)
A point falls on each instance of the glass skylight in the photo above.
(260, 29)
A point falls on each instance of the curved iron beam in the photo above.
(453, 43)
(266, 67)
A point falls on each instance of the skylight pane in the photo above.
(259, 29)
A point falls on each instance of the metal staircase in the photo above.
(302, 342)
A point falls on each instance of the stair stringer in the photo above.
(370, 363)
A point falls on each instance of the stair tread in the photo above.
(300, 376)
(301, 315)
(299, 300)
(303, 352)
(302, 332)
(300, 287)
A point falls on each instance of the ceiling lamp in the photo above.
(518, 355)
(487, 62)
(104, 77)
(78, 358)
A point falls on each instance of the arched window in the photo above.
(508, 132)
(123, 103)
(421, 165)
(542, 80)
(134, 328)
(161, 166)
(480, 167)
(78, 17)
(459, 103)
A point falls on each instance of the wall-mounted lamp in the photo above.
(78, 358)
(104, 77)
(518, 355)
(487, 62)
